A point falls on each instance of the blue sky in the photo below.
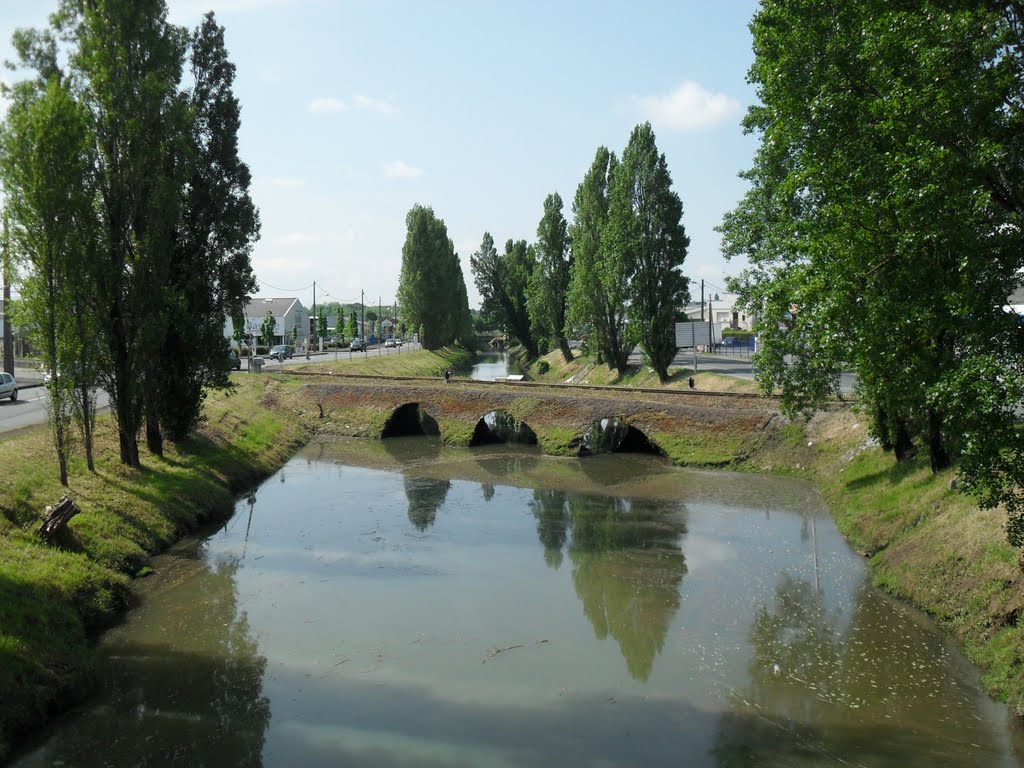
(352, 112)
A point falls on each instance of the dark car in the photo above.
(357, 344)
(234, 361)
(280, 351)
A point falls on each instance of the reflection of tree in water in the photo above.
(425, 495)
(810, 669)
(627, 566)
(189, 693)
(488, 489)
(552, 513)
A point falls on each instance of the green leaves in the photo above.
(431, 289)
(883, 226)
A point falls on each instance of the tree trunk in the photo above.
(902, 441)
(937, 454)
(563, 345)
(154, 439)
(87, 424)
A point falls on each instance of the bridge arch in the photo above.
(613, 434)
(410, 419)
(502, 427)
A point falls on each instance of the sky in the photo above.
(353, 112)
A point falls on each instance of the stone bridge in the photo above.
(691, 428)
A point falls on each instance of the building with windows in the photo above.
(291, 321)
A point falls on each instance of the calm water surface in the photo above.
(399, 603)
(491, 365)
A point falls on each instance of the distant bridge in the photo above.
(701, 429)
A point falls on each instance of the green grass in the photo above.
(418, 363)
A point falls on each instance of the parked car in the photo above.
(357, 344)
(281, 350)
(234, 361)
(8, 386)
(390, 343)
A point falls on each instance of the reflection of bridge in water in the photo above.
(560, 421)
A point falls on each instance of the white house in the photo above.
(724, 312)
(289, 317)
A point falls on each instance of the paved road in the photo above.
(30, 408)
(733, 365)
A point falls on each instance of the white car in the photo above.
(390, 343)
(8, 387)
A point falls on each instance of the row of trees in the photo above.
(613, 274)
(884, 218)
(129, 211)
(431, 288)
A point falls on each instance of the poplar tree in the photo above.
(649, 244)
(431, 286)
(599, 285)
(548, 289)
(503, 282)
(42, 146)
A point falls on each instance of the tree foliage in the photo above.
(267, 329)
(548, 289)
(503, 282)
(431, 287)
(883, 223)
(163, 252)
(648, 243)
(599, 286)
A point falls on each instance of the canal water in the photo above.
(397, 602)
(492, 365)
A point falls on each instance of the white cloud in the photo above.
(400, 170)
(690, 107)
(369, 103)
(327, 104)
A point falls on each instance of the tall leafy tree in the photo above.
(548, 289)
(125, 65)
(890, 174)
(648, 240)
(503, 284)
(429, 285)
(210, 273)
(352, 326)
(42, 147)
(599, 285)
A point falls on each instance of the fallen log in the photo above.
(56, 516)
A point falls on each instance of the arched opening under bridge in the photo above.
(501, 427)
(614, 435)
(410, 419)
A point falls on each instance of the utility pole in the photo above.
(702, 299)
(5, 267)
(315, 329)
(362, 304)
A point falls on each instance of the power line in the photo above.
(285, 290)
